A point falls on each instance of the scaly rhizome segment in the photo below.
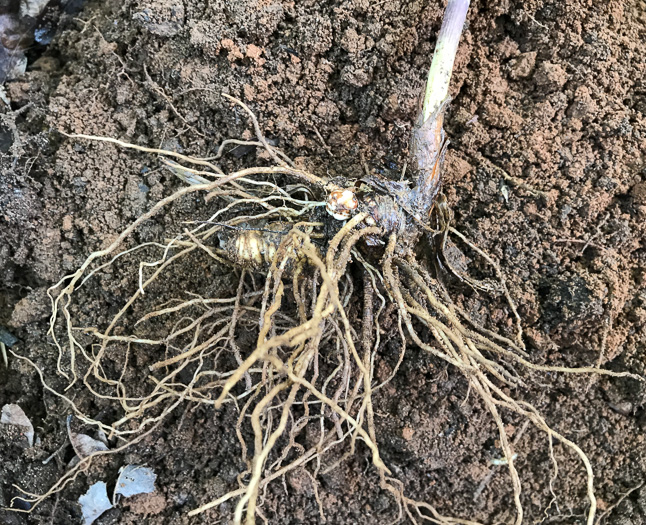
(286, 347)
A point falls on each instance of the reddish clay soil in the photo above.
(546, 94)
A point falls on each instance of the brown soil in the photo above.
(553, 93)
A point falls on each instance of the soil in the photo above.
(547, 94)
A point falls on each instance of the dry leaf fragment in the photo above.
(94, 502)
(83, 444)
(14, 415)
(133, 480)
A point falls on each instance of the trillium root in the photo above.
(292, 344)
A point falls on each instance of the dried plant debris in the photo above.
(134, 480)
(95, 502)
(15, 416)
(83, 444)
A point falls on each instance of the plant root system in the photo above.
(293, 343)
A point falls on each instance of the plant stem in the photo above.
(439, 75)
